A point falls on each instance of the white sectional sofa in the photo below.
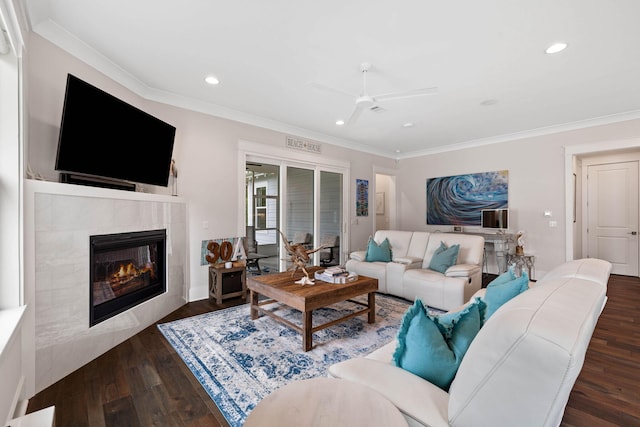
(520, 367)
(408, 275)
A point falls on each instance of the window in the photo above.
(261, 208)
(311, 207)
(10, 180)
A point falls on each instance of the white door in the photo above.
(612, 209)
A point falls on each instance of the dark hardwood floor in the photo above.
(607, 392)
(143, 382)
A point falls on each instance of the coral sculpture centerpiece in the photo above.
(299, 256)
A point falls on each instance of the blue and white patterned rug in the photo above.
(240, 361)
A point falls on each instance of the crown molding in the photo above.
(547, 130)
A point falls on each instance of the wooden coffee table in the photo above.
(280, 288)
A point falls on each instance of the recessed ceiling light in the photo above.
(339, 122)
(556, 47)
(212, 80)
(397, 151)
(408, 125)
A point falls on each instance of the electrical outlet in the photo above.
(205, 225)
(553, 224)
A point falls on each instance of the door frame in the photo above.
(608, 160)
(572, 152)
(390, 199)
(253, 151)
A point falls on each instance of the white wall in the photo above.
(536, 183)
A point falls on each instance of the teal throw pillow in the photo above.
(425, 350)
(444, 257)
(505, 277)
(381, 252)
(500, 292)
(447, 321)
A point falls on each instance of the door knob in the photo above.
(633, 233)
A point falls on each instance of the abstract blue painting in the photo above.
(458, 200)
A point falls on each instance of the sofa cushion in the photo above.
(358, 255)
(381, 252)
(421, 402)
(444, 257)
(471, 247)
(502, 289)
(399, 241)
(407, 260)
(431, 350)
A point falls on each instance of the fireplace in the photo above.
(126, 270)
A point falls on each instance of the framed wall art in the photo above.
(362, 197)
(459, 199)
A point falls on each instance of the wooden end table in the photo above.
(281, 288)
(220, 290)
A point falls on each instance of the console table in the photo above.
(500, 242)
(521, 261)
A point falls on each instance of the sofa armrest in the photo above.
(409, 260)
(413, 396)
(462, 270)
(358, 255)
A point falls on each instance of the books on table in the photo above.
(335, 275)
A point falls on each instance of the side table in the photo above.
(323, 402)
(521, 261)
(227, 282)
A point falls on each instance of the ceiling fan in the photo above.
(365, 101)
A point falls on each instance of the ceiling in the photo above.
(276, 59)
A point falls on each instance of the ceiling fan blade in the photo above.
(326, 88)
(356, 114)
(408, 94)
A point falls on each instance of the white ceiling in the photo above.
(271, 56)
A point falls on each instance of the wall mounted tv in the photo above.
(103, 136)
(495, 218)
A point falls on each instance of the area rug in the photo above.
(240, 361)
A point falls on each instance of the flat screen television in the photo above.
(103, 136)
(495, 218)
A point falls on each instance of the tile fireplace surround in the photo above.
(59, 218)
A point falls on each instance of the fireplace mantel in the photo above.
(51, 187)
(58, 222)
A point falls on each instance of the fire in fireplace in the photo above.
(126, 270)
